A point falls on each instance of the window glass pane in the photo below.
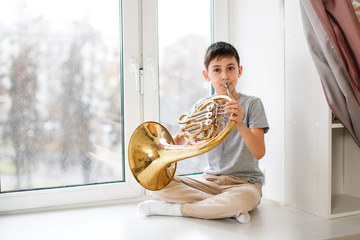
(184, 35)
(60, 93)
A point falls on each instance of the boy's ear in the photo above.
(240, 71)
(206, 75)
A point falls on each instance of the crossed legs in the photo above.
(208, 197)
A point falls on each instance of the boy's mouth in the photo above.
(226, 85)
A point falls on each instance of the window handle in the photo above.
(139, 75)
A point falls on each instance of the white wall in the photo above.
(257, 31)
(307, 119)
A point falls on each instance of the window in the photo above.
(61, 94)
(76, 81)
(62, 102)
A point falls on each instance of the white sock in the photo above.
(158, 207)
(243, 218)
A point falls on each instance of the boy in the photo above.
(232, 181)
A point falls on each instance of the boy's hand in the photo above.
(178, 140)
(237, 113)
(254, 138)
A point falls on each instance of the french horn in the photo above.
(152, 153)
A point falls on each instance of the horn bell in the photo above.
(147, 156)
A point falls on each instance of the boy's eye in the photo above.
(231, 68)
(216, 70)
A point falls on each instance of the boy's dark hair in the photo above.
(220, 50)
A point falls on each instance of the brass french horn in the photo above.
(152, 153)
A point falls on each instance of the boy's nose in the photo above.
(225, 75)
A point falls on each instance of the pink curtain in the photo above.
(332, 31)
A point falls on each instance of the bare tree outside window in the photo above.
(60, 95)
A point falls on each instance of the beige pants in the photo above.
(212, 197)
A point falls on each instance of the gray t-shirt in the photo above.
(231, 156)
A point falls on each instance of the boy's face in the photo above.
(221, 71)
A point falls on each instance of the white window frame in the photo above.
(11, 202)
(221, 20)
(141, 103)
